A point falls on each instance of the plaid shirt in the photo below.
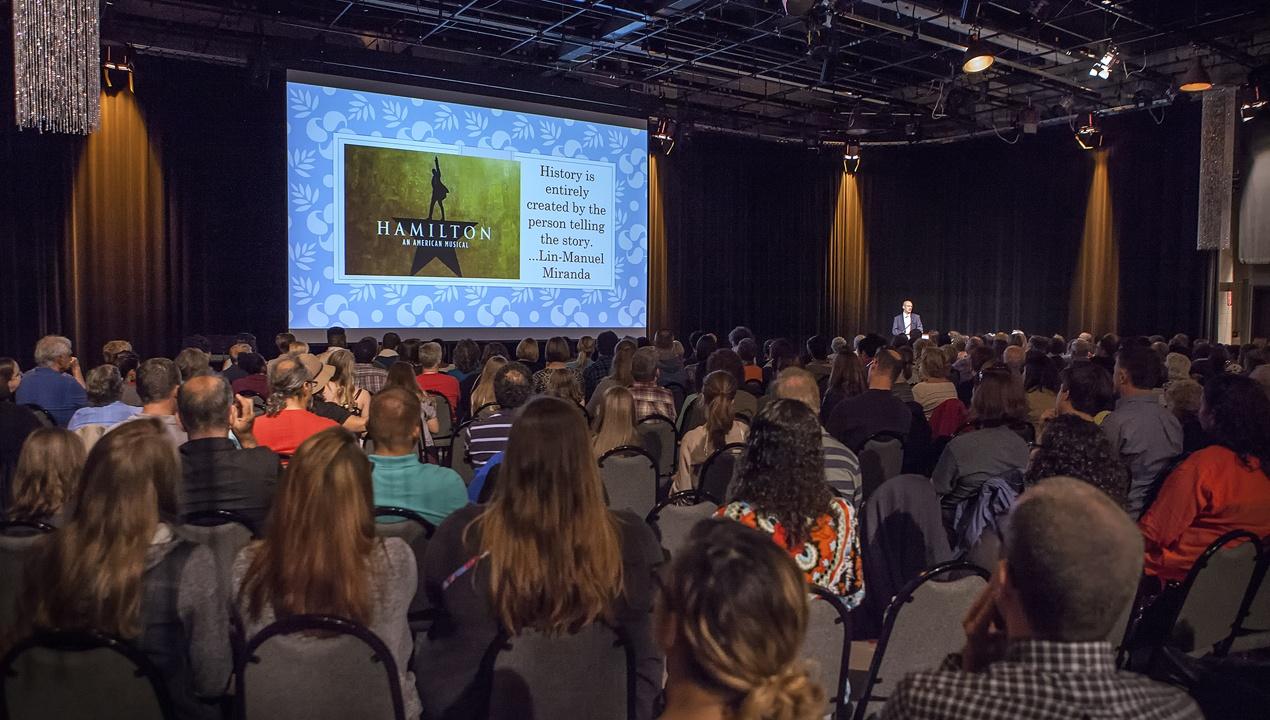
(369, 377)
(653, 399)
(1040, 680)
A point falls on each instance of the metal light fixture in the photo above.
(1102, 68)
(851, 158)
(665, 135)
(1195, 79)
(978, 56)
(1253, 105)
(1089, 137)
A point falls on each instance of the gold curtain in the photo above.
(1096, 288)
(659, 310)
(117, 280)
(847, 265)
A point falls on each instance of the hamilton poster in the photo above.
(422, 213)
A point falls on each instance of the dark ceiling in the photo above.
(891, 69)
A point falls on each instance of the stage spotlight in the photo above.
(851, 158)
(665, 135)
(1102, 68)
(117, 73)
(1195, 79)
(1089, 137)
(1252, 105)
(978, 56)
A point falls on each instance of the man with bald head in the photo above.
(1037, 638)
(216, 473)
(400, 480)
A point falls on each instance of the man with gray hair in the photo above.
(105, 406)
(56, 383)
(1037, 637)
(842, 467)
(158, 380)
(431, 380)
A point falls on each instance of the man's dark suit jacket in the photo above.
(897, 325)
(216, 475)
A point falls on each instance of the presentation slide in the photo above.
(409, 211)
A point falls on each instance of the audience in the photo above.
(557, 355)
(158, 381)
(367, 374)
(727, 360)
(320, 555)
(619, 372)
(432, 380)
(856, 419)
(780, 489)
(481, 400)
(527, 354)
(1086, 391)
(1040, 387)
(747, 350)
(1182, 398)
(846, 379)
(288, 421)
(732, 618)
(127, 362)
(936, 386)
(993, 447)
(614, 424)
(216, 472)
(399, 478)
(1074, 447)
(192, 362)
(598, 366)
(818, 357)
(488, 436)
(467, 359)
(46, 477)
(56, 383)
(586, 352)
(254, 382)
(104, 391)
(402, 375)
(563, 383)
(842, 467)
(721, 428)
(117, 567)
(543, 555)
(650, 397)
(1220, 488)
(342, 389)
(1145, 434)
(1036, 639)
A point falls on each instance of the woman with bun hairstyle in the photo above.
(731, 618)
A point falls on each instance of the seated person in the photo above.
(780, 489)
(431, 379)
(650, 398)
(158, 380)
(254, 381)
(287, 421)
(842, 467)
(399, 478)
(56, 383)
(46, 477)
(856, 419)
(721, 428)
(1145, 434)
(105, 406)
(614, 425)
(488, 436)
(1036, 642)
(1074, 447)
(992, 448)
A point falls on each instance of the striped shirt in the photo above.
(488, 437)
(842, 468)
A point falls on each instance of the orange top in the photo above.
(1207, 496)
(753, 372)
(285, 432)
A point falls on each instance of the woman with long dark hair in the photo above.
(721, 428)
(781, 490)
(1220, 488)
(1074, 447)
(545, 554)
(846, 379)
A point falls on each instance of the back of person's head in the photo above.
(614, 424)
(390, 341)
(1183, 398)
(252, 363)
(870, 345)
(739, 333)
(847, 374)
(1107, 345)
(50, 348)
(1160, 349)
(282, 342)
(430, 355)
(319, 535)
(887, 365)
(336, 337)
(401, 374)
(1089, 388)
(1236, 414)
(663, 339)
(605, 342)
(1014, 357)
(157, 379)
(799, 384)
(644, 365)
(838, 344)
(733, 612)
(818, 347)
(718, 389)
(203, 404)
(1040, 373)
(623, 356)
(1178, 366)
(1073, 560)
(728, 361)
(1081, 349)
(747, 350)
(554, 558)
(127, 362)
(1071, 446)
(467, 356)
(364, 351)
(998, 399)
(933, 364)
(512, 386)
(783, 354)
(394, 418)
(113, 348)
(527, 351)
(88, 575)
(586, 349)
(1140, 366)
(781, 473)
(1038, 343)
(557, 350)
(192, 362)
(705, 345)
(1017, 339)
(103, 385)
(1057, 346)
(47, 474)
(10, 376)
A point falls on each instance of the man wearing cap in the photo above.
(287, 421)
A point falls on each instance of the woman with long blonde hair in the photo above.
(732, 618)
(341, 389)
(620, 373)
(586, 352)
(46, 476)
(483, 392)
(545, 554)
(320, 553)
(614, 424)
(721, 428)
(117, 567)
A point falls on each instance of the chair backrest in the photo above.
(224, 532)
(19, 539)
(1213, 594)
(673, 518)
(44, 416)
(922, 626)
(881, 458)
(73, 675)
(718, 470)
(828, 646)
(587, 674)
(458, 454)
(445, 418)
(1254, 628)
(485, 410)
(344, 672)
(630, 479)
(657, 436)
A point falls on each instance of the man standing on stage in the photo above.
(907, 321)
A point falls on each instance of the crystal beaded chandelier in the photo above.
(55, 65)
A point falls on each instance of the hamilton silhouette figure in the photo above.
(439, 190)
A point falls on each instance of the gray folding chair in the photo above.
(1213, 595)
(81, 675)
(692, 414)
(657, 436)
(458, 454)
(345, 671)
(630, 479)
(828, 646)
(19, 539)
(443, 438)
(922, 626)
(881, 458)
(224, 532)
(588, 674)
(1253, 632)
(672, 519)
(416, 531)
(719, 469)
